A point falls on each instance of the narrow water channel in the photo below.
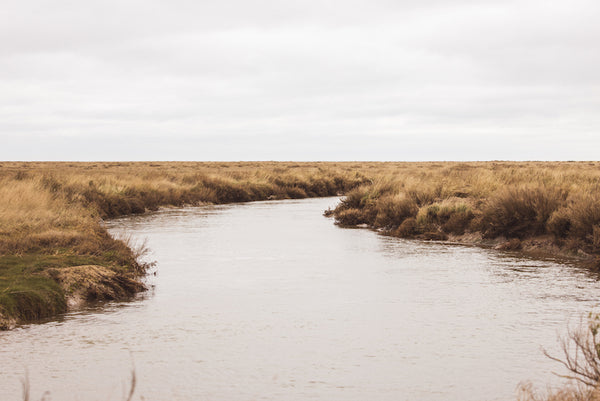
(272, 301)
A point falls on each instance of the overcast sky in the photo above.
(300, 80)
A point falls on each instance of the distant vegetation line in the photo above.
(55, 251)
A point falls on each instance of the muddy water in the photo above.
(271, 301)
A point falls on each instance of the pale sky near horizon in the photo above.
(300, 80)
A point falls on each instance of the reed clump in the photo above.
(55, 251)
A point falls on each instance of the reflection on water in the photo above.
(269, 300)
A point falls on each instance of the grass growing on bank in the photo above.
(54, 248)
(55, 251)
(549, 205)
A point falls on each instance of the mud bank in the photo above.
(77, 287)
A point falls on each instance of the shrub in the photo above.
(596, 236)
(393, 210)
(559, 223)
(450, 216)
(581, 352)
(458, 222)
(519, 212)
(356, 198)
(579, 221)
(295, 192)
(422, 197)
(584, 214)
(581, 359)
(351, 217)
(407, 229)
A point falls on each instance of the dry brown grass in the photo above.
(50, 205)
(559, 201)
(50, 213)
(53, 244)
(570, 392)
(52, 241)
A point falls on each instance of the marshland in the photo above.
(468, 270)
(51, 220)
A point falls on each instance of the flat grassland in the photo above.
(55, 251)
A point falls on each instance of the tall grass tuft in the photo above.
(392, 210)
(520, 212)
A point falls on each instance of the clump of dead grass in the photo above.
(570, 392)
(518, 212)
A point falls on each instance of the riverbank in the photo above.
(538, 207)
(241, 281)
(55, 252)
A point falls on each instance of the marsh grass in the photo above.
(54, 247)
(51, 213)
(570, 392)
(556, 204)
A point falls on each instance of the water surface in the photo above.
(272, 301)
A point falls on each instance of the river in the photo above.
(272, 301)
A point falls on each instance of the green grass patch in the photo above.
(26, 292)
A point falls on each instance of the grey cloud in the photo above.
(302, 79)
